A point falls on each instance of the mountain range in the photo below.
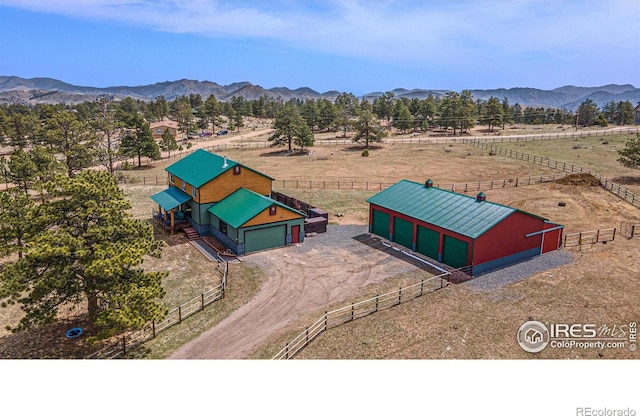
(52, 91)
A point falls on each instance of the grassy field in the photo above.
(453, 323)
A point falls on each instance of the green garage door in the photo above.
(428, 242)
(264, 238)
(454, 251)
(403, 232)
(380, 224)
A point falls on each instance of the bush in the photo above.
(365, 153)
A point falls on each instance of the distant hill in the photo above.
(47, 90)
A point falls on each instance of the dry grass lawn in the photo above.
(601, 285)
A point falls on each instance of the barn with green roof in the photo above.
(218, 197)
(457, 229)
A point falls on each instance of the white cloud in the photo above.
(417, 32)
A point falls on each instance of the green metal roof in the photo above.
(242, 205)
(170, 198)
(456, 212)
(202, 166)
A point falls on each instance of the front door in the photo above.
(295, 234)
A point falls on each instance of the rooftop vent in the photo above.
(225, 165)
(481, 197)
(428, 183)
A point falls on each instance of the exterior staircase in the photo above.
(192, 233)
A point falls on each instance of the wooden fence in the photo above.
(175, 316)
(358, 310)
(615, 188)
(629, 230)
(555, 136)
(589, 238)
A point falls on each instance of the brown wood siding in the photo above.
(265, 218)
(227, 183)
(177, 182)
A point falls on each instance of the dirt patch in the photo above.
(579, 179)
(304, 279)
(627, 180)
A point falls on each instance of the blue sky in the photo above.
(357, 46)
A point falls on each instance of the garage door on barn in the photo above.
(403, 232)
(427, 242)
(454, 252)
(263, 238)
(380, 223)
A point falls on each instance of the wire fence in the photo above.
(119, 347)
(356, 310)
(554, 136)
(569, 168)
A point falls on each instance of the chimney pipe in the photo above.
(224, 165)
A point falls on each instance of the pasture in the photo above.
(600, 285)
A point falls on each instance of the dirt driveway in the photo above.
(328, 268)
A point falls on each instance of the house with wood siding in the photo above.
(228, 200)
(457, 229)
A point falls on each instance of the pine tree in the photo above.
(630, 155)
(89, 250)
(168, 142)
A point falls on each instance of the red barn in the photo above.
(457, 229)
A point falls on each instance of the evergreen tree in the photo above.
(493, 113)
(90, 251)
(630, 155)
(22, 170)
(70, 137)
(290, 128)
(368, 129)
(402, 118)
(168, 142)
(138, 141)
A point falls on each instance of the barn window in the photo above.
(272, 210)
(236, 170)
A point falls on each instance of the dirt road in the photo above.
(329, 268)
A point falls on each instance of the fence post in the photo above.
(613, 237)
(180, 314)
(377, 296)
(352, 311)
(153, 328)
(325, 320)
(306, 332)
(597, 235)
(286, 352)
(399, 296)
(421, 287)
(124, 345)
(202, 301)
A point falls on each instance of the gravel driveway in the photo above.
(328, 268)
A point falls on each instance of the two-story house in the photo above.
(230, 201)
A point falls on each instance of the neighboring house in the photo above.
(459, 230)
(158, 128)
(636, 114)
(230, 201)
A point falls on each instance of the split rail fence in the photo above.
(175, 316)
(337, 317)
(629, 230)
(589, 237)
(569, 168)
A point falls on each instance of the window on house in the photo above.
(223, 227)
(184, 186)
(159, 131)
(272, 210)
(236, 170)
(193, 191)
(170, 178)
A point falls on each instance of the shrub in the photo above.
(365, 153)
